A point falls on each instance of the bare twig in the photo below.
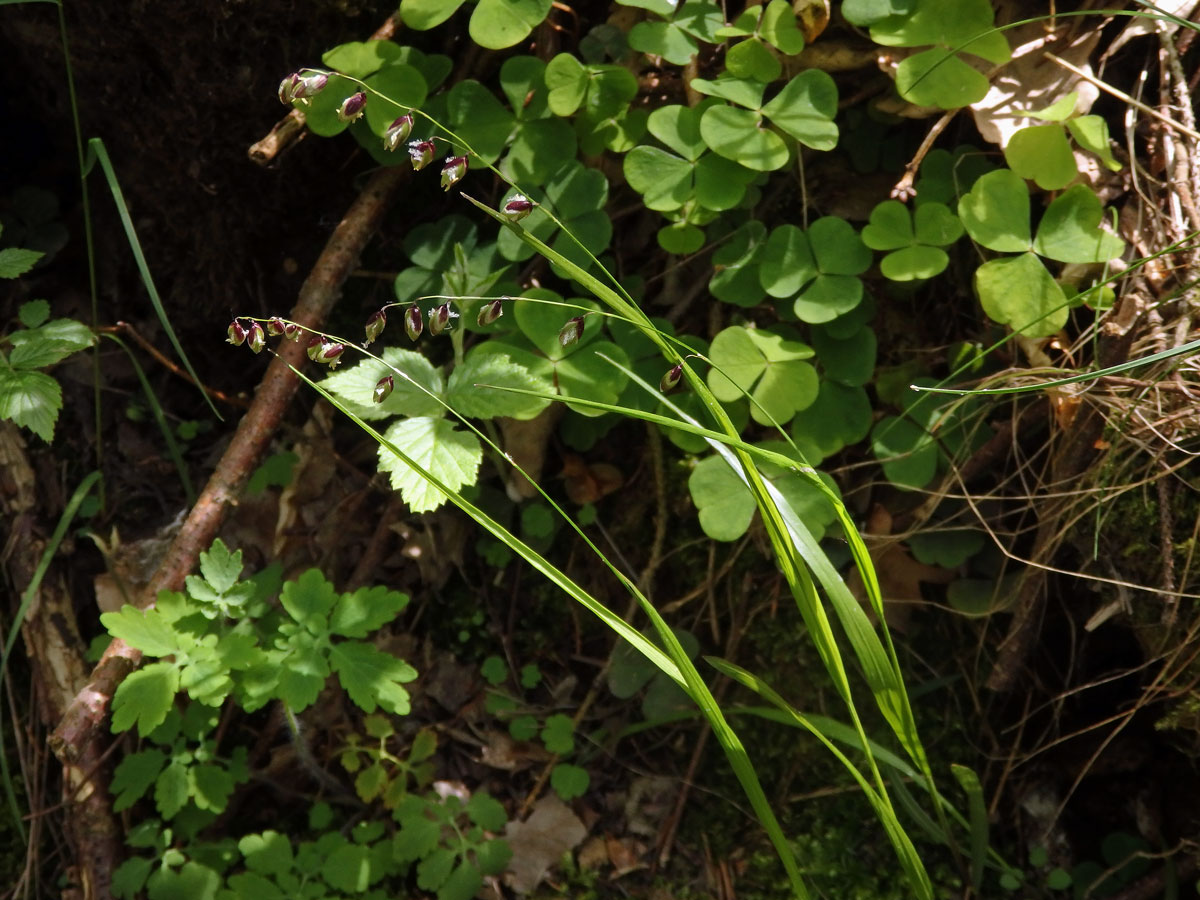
(81, 722)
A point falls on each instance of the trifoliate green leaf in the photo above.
(735, 263)
(768, 367)
(496, 24)
(839, 417)
(1091, 133)
(778, 27)
(422, 15)
(805, 109)
(739, 135)
(751, 59)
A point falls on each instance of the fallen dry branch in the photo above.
(80, 725)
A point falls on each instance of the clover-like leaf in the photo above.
(496, 24)
(916, 251)
(767, 366)
(425, 14)
(739, 135)
(437, 447)
(480, 120)
(751, 59)
(839, 417)
(805, 109)
(1042, 154)
(850, 360)
(665, 39)
(1091, 133)
(1019, 292)
(907, 452)
(726, 505)
(995, 212)
(1070, 230)
(735, 276)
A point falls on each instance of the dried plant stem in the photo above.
(79, 729)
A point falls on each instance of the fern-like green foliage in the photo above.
(264, 653)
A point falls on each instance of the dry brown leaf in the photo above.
(1033, 82)
(900, 576)
(540, 841)
(813, 18)
(588, 482)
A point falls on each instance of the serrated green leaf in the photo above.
(493, 856)
(1042, 154)
(15, 262)
(191, 881)
(805, 109)
(358, 614)
(558, 734)
(1070, 230)
(434, 869)
(1019, 292)
(130, 877)
(134, 775)
(250, 886)
(371, 677)
(451, 455)
(269, 852)
(355, 384)
(171, 789)
(995, 212)
(486, 811)
(144, 629)
(476, 388)
(210, 787)
(33, 313)
(31, 400)
(309, 599)
(347, 868)
(220, 567)
(301, 676)
(569, 781)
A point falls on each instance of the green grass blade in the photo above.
(977, 811)
(907, 854)
(98, 153)
(52, 545)
(161, 420)
(675, 663)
